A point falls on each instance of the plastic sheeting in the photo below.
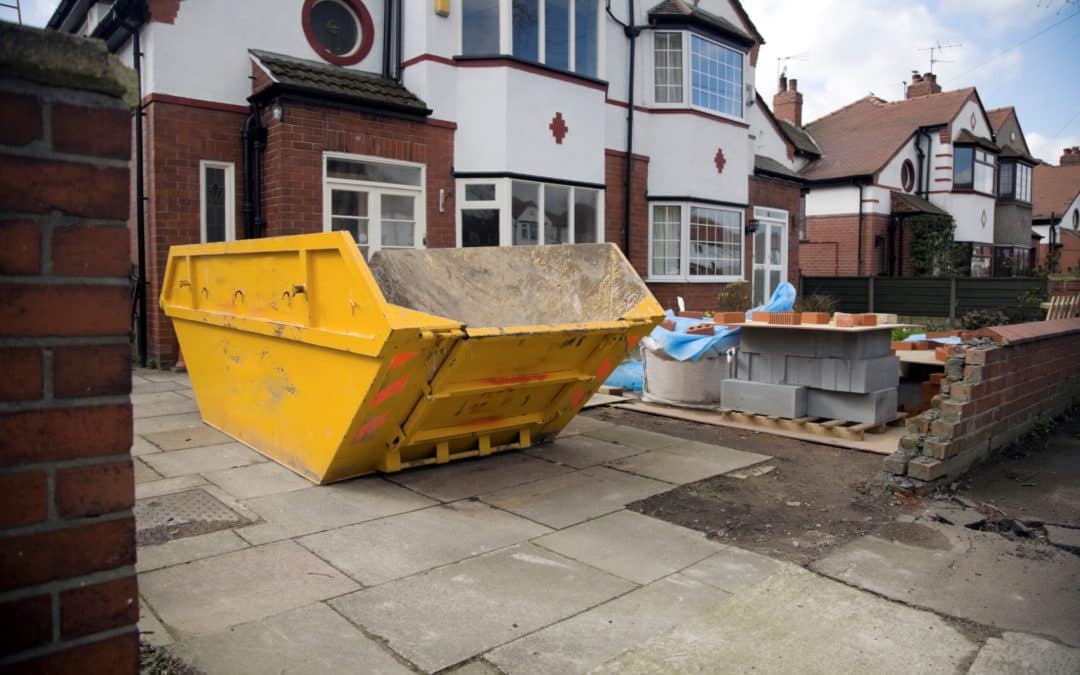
(630, 375)
(921, 337)
(682, 347)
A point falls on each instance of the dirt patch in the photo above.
(158, 661)
(817, 498)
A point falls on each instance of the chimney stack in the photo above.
(1071, 156)
(923, 85)
(787, 103)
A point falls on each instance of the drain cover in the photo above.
(182, 514)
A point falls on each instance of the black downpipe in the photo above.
(259, 142)
(631, 30)
(387, 27)
(246, 206)
(140, 205)
(400, 18)
(860, 257)
(919, 152)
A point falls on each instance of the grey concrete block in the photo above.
(778, 341)
(874, 407)
(781, 400)
(852, 345)
(865, 375)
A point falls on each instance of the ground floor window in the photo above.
(691, 242)
(217, 202)
(379, 201)
(1012, 261)
(513, 212)
(982, 256)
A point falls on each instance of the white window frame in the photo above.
(503, 202)
(506, 35)
(374, 216)
(687, 65)
(684, 275)
(230, 198)
(770, 215)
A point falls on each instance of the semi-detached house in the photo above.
(466, 123)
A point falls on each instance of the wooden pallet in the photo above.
(852, 431)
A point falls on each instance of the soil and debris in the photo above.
(158, 661)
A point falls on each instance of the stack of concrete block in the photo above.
(848, 375)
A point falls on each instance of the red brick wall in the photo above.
(68, 596)
(831, 247)
(293, 169)
(615, 207)
(991, 396)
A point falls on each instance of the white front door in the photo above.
(770, 252)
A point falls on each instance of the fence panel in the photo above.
(928, 296)
(912, 297)
(1003, 294)
(852, 293)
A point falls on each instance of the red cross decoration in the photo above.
(558, 127)
(719, 160)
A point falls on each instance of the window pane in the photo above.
(357, 226)
(759, 286)
(984, 177)
(398, 223)
(215, 215)
(375, 172)
(715, 242)
(526, 20)
(669, 78)
(348, 203)
(525, 213)
(759, 246)
(480, 27)
(480, 192)
(585, 43)
(962, 163)
(585, 216)
(1006, 180)
(666, 237)
(776, 234)
(556, 214)
(335, 27)
(480, 227)
(557, 34)
(716, 77)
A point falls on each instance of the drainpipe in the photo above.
(387, 24)
(140, 200)
(632, 31)
(399, 16)
(259, 143)
(921, 155)
(860, 256)
(246, 208)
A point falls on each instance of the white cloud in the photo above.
(34, 12)
(1049, 148)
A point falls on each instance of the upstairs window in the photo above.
(973, 169)
(1014, 181)
(713, 80)
(562, 34)
(479, 27)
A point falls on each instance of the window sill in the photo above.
(694, 280)
(675, 108)
(971, 191)
(524, 64)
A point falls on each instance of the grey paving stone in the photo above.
(469, 478)
(258, 480)
(581, 451)
(311, 640)
(212, 594)
(154, 375)
(1020, 654)
(446, 616)
(587, 640)
(185, 550)
(672, 467)
(475, 667)
(633, 438)
(291, 514)
(582, 424)
(165, 403)
(390, 548)
(143, 473)
(167, 485)
(149, 425)
(565, 500)
(733, 569)
(140, 446)
(630, 545)
(191, 437)
(202, 460)
(150, 629)
(140, 385)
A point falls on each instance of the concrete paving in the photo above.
(1020, 654)
(581, 452)
(185, 550)
(202, 460)
(257, 480)
(980, 576)
(190, 437)
(469, 478)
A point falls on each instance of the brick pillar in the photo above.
(68, 595)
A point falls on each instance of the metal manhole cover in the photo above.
(182, 514)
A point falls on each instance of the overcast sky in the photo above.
(1024, 53)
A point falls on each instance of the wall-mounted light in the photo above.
(278, 112)
(442, 7)
(752, 226)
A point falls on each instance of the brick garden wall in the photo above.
(831, 247)
(992, 395)
(68, 595)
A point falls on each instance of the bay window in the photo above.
(1014, 181)
(690, 242)
(506, 212)
(479, 27)
(713, 81)
(973, 169)
(380, 202)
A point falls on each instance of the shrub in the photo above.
(982, 318)
(817, 302)
(735, 297)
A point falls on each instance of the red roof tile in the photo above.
(999, 115)
(1053, 188)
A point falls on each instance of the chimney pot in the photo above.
(793, 84)
(1070, 156)
(783, 82)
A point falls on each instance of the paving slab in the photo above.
(150, 629)
(140, 385)
(1065, 537)
(291, 514)
(185, 550)
(140, 446)
(469, 478)
(155, 375)
(797, 622)
(582, 424)
(258, 480)
(733, 569)
(143, 473)
(678, 468)
(476, 667)
(390, 548)
(635, 438)
(195, 436)
(167, 486)
(979, 576)
(579, 644)
(202, 460)
(310, 640)
(1020, 654)
(148, 425)
(572, 498)
(581, 451)
(630, 545)
(214, 593)
(164, 403)
(446, 616)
